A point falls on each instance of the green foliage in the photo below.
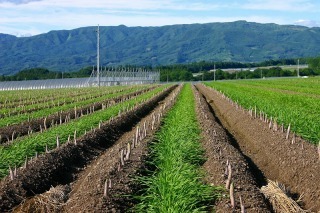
(70, 50)
(44, 111)
(32, 74)
(175, 75)
(290, 101)
(183, 72)
(314, 65)
(42, 73)
(15, 153)
(176, 185)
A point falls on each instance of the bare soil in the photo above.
(72, 177)
(218, 145)
(8, 133)
(296, 165)
(61, 166)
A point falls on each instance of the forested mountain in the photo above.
(241, 41)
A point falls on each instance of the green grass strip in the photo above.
(298, 110)
(27, 146)
(176, 185)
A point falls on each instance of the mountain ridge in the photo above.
(241, 41)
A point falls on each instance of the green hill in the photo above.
(70, 50)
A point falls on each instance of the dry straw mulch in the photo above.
(279, 197)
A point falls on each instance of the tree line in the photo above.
(184, 72)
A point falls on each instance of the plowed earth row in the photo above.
(269, 154)
(218, 145)
(62, 165)
(79, 172)
(11, 132)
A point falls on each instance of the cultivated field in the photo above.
(293, 102)
(162, 148)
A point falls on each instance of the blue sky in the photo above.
(32, 17)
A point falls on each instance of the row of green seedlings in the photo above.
(45, 96)
(228, 170)
(307, 87)
(13, 172)
(149, 125)
(21, 97)
(176, 184)
(44, 112)
(42, 96)
(19, 110)
(303, 121)
(270, 122)
(122, 113)
(80, 100)
(46, 102)
(65, 117)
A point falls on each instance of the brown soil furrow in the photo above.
(217, 144)
(87, 190)
(47, 104)
(59, 166)
(294, 165)
(14, 131)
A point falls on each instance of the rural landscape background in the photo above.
(162, 106)
(177, 50)
(241, 41)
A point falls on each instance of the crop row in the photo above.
(51, 110)
(309, 87)
(26, 97)
(30, 96)
(176, 184)
(16, 153)
(9, 133)
(299, 111)
(7, 111)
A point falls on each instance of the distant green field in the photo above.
(291, 101)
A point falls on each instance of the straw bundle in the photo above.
(277, 194)
(52, 200)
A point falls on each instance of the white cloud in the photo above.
(308, 23)
(39, 16)
(279, 5)
(112, 4)
(68, 14)
(18, 1)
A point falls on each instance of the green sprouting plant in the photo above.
(302, 112)
(176, 184)
(48, 111)
(15, 154)
(19, 98)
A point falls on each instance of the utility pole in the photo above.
(98, 56)
(214, 72)
(298, 74)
